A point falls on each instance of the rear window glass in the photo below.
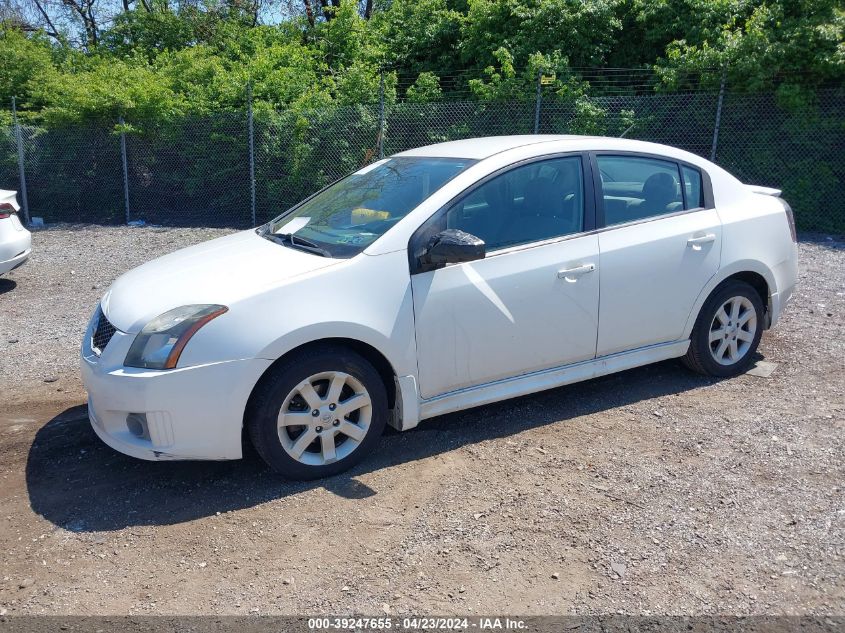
(635, 188)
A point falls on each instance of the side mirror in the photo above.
(452, 247)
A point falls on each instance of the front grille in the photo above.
(102, 333)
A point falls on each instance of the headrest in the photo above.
(543, 196)
(660, 188)
(497, 194)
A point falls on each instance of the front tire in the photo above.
(317, 413)
(727, 331)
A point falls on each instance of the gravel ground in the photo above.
(652, 491)
(52, 296)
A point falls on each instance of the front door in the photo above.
(532, 303)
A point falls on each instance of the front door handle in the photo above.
(571, 274)
(696, 242)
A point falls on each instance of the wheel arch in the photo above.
(754, 273)
(756, 281)
(368, 351)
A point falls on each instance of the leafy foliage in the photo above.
(313, 75)
(154, 61)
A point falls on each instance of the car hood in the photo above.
(221, 271)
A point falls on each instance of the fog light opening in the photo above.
(137, 425)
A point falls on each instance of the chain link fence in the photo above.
(298, 153)
(190, 172)
(239, 169)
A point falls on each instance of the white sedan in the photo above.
(15, 240)
(439, 279)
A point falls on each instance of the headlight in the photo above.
(160, 343)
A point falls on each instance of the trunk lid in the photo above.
(766, 191)
(8, 197)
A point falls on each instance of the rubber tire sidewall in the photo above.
(270, 393)
(699, 357)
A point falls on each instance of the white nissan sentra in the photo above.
(439, 279)
(15, 240)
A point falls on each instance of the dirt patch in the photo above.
(652, 491)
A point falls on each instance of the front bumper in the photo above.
(191, 412)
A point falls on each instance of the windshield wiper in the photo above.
(298, 242)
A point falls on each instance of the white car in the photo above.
(15, 240)
(439, 279)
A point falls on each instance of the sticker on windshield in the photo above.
(293, 226)
(363, 238)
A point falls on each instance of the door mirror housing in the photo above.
(452, 246)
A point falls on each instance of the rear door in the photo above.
(660, 242)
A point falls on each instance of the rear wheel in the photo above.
(727, 331)
(318, 413)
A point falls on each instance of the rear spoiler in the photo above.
(766, 191)
(775, 193)
(8, 198)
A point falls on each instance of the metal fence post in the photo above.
(125, 169)
(251, 151)
(381, 116)
(718, 118)
(22, 172)
(539, 102)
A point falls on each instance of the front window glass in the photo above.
(345, 218)
(534, 202)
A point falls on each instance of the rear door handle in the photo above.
(696, 242)
(572, 274)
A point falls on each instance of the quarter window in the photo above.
(692, 184)
(635, 188)
(533, 202)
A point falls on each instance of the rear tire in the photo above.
(317, 413)
(727, 331)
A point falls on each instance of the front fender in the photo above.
(334, 330)
(399, 356)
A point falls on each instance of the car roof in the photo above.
(486, 146)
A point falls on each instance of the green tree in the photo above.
(582, 30)
(779, 42)
(420, 36)
(425, 89)
(24, 61)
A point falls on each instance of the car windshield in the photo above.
(346, 217)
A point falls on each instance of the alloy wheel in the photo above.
(324, 418)
(732, 330)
